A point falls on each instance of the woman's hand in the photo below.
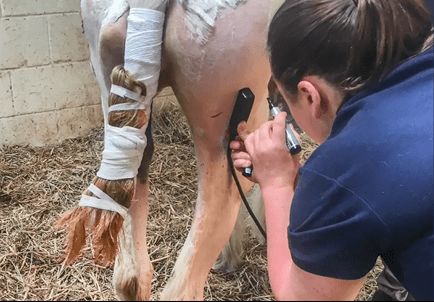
(240, 157)
(266, 150)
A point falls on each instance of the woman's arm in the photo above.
(277, 208)
(289, 282)
(275, 171)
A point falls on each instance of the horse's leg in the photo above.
(232, 255)
(217, 205)
(257, 204)
(206, 79)
(133, 269)
(233, 252)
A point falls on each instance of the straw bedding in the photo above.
(37, 184)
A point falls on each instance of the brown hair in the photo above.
(105, 226)
(350, 43)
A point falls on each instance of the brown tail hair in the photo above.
(105, 226)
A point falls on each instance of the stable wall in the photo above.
(47, 89)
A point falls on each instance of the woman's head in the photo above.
(347, 44)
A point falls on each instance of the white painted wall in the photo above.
(47, 89)
(48, 92)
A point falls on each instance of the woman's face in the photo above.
(313, 107)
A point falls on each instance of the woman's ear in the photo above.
(311, 98)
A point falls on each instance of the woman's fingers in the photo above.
(237, 145)
(242, 131)
(242, 163)
(240, 155)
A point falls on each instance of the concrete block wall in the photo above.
(47, 89)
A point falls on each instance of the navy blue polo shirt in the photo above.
(368, 190)
(430, 4)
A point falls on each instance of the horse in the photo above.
(211, 49)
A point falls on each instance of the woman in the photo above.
(358, 78)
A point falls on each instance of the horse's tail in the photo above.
(105, 203)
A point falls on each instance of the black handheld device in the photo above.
(243, 107)
(241, 112)
(292, 142)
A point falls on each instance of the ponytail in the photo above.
(386, 32)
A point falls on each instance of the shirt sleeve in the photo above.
(332, 233)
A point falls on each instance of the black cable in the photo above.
(243, 197)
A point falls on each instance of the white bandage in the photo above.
(123, 152)
(125, 93)
(102, 201)
(143, 47)
(139, 104)
(124, 147)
